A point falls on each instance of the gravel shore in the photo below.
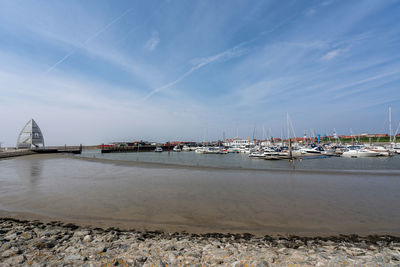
(32, 243)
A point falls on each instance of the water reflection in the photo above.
(243, 161)
(29, 170)
(204, 198)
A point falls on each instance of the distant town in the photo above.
(359, 138)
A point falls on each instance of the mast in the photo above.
(287, 122)
(288, 133)
(390, 125)
(263, 136)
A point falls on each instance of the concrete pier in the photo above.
(145, 148)
(47, 150)
(15, 153)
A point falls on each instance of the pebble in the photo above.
(10, 252)
(87, 238)
(73, 257)
(36, 244)
(16, 260)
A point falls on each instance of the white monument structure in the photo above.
(31, 136)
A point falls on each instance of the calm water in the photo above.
(120, 192)
(235, 160)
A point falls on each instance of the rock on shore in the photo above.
(32, 243)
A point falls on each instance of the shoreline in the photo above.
(161, 165)
(129, 225)
(25, 242)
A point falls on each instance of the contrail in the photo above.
(229, 53)
(61, 60)
(88, 40)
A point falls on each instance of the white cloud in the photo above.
(331, 54)
(327, 3)
(152, 43)
(310, 12)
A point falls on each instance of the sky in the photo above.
(98, 71)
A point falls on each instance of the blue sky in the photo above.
(99, 71)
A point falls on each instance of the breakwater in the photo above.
(35, 243)
(46, 150)
(15, 153)
(143, 148)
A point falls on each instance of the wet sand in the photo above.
(195, 199)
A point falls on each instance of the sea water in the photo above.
(207, 193)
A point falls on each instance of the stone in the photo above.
(101, 248)
(87, 248)
(81, 233)
(5, 247)
(73, 257)
(262, 263)
(11, 236)
(72, 250)
(172, 259)
(16, 260)
(11, 252)
(26, 236)
(87, 238)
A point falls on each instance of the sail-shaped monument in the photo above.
(31, 136)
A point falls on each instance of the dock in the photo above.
(15, 153)
(46, 150)
(143, 148)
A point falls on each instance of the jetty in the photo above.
(9, 153)
(140, 148)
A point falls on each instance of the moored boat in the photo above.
(186, 148)
(359, 152)
(177, 148)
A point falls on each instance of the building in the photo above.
(237, 142)
(30, 136)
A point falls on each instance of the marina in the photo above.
(242, 160)
(199, 133)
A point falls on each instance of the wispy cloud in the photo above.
(331, 54)
(327, 3)
(152, 43)
(92, 37)
(200, 63)
(310, 12)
